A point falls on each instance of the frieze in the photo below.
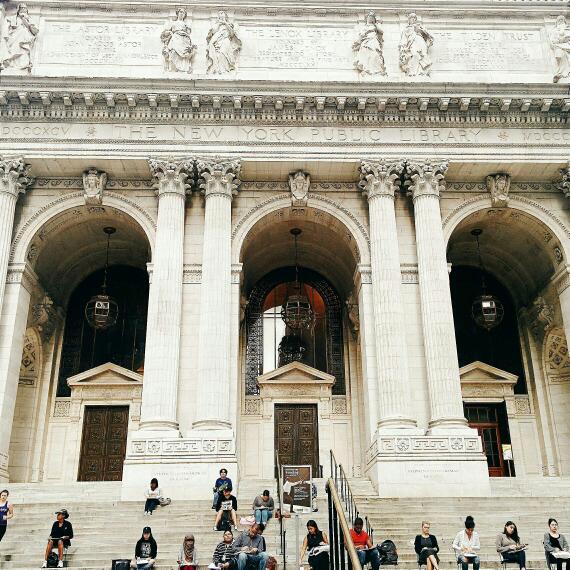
(61, 409)
(409, 272)
(192, 273)
(522, 406)
(339, 406)
(77, 184)
(184, 447)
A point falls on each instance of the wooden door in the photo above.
(104, 443)
(297, 435)
(491, 439)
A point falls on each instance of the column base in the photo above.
(428, 466)
(206, 425)
(452, 426)
(399, 425)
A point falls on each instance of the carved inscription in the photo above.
(101, 43)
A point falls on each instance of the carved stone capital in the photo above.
(299, 183)
(45, 318)
(561, 279)
(541, 317)
(564, 185)
(427, 178)
(94, 184)
(14, 176)
(380, 178)
(219, 177)
(172, 175)
(498, 186)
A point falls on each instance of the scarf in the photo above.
(189, 547)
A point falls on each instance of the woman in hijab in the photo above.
(145, 550)
(187, 557)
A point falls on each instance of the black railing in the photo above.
(344, 491)
(282, 531)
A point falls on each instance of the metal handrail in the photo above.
(340, 540)
(282, 531)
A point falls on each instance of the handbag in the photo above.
(164, 501)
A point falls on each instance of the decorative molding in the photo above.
(564, 185)
(192, 273)
(77, 183)
(62, 408)
(22, 273)
(181, 448)
(556, 359)
(339, 406)
(365, 274)
(252, 406)
(237, 273)
(409, 273)
(522, 406)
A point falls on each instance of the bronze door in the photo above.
(297, 435)
(104, 443)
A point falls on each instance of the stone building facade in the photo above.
(203, 137)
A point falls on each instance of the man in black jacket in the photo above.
(61, 534)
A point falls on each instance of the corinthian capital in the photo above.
(218, 176)
(14, 175)
(427, 178)
(380, 178)
(172, 175)
(565, 183)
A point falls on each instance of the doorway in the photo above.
(104, 443)
(297, 435)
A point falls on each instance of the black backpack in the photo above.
(52, 560)
(224, 524)
(388, 553)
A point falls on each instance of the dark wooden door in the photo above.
(297, 435)
(491, 439)
(104, 443)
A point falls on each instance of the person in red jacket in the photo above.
(364, 548)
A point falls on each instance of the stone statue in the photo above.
(299, 183)
(18, 41)
(223, 45)
(368, 57)
(178, 49)
(94, 183)
(560, 43)
(498, 186)
(415, 45)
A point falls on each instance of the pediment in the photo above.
(481, 373)
(296, 373)
(107, 374)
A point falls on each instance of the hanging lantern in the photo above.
(487, 310)
(296, 311)
(291, 349)
(102, 311)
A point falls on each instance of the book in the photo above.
(563, 554)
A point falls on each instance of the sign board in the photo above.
(507, 452)
(297, 487)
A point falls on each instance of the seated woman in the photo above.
(153, 494)
(555, 542)
(466, 546)
(145, 551)
(187, 556)
(263, 506)
(426, 548)
(315, 541)
(60, 537)
(225, 554)
(509, 545)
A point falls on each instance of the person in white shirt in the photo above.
(153, 495)
(467, 545)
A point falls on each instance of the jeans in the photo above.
(150, 505)
(519, 556)
(371, 555)
(465, 561)
(260, 559)
(215, 500)
(262, 516)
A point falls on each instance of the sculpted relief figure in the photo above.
(94, 183)
(499, 186)
(18, 40)
(299, 183)
(368, 56)
(415, 45)
(560, 43)
(178, 49)
(223, 45)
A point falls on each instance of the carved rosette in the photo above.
(14, 176)
(427, 178)
(172, 175)
(564, 185)
(219, 177)
(380, 178)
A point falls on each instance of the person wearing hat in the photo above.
(145, 551)
(60, 535)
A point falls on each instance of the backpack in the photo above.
(52, 560)
(388, 553)
(224, 524)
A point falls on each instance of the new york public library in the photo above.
(263, 233)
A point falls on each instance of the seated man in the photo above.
(60, 536)
(364, 548)
(251, 545)
(222, 482)
(227, 508)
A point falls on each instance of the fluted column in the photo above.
(219, 182)
(14, 180)
(442, 364)
(162, 353)
(379, 181)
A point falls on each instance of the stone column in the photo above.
(378, 182)
(162, 353)
(14, 180)
(219, 182)
(446, 405)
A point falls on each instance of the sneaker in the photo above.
(214, 528)
(44, 565)
(60, 564)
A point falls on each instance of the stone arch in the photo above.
(317, 203)
(31, 363)
(26, 232)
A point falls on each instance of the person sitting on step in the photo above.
(509, 545)
(6, 512)
(426, 548)
(153, 494)
(60, 536)
(225, 554)
(263, 506)
(466, 546)
(363, 544)
(555, 542)
(146, 550)
(222, 482)
(188, 556)
(250, 545)
(227, 510)
(316, 542)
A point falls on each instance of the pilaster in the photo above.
(561, 280)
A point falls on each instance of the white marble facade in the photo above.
(185, 127)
